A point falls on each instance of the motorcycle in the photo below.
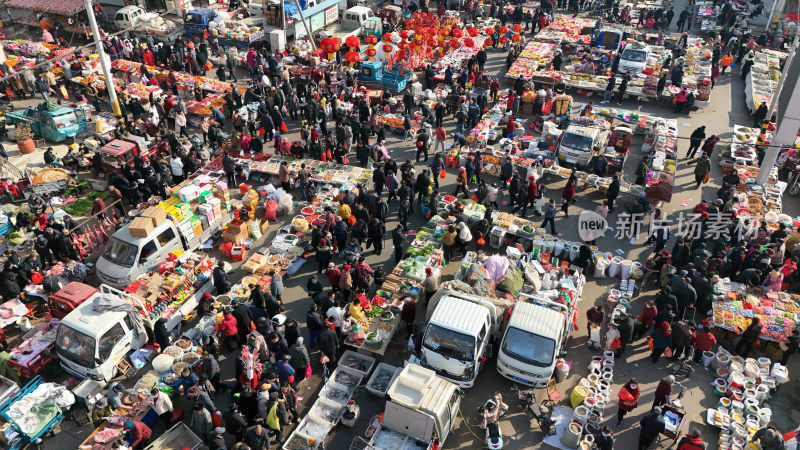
(490, 414)
(537, 411)
(794, 186)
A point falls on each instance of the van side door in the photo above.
(148, 256)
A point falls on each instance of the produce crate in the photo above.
(376, 381)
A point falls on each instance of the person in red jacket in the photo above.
(567, 196)
(628, 399)
(533, 191)
(645, 319)
(692, 441)
(139, 434)
(230, 331)
(702, 342)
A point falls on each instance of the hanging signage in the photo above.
(331, 15)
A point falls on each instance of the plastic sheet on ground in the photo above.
(35, 410)
(561, 415)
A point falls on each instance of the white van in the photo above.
(127, 257)
(90, 343)
(534, 337)
(457, 340)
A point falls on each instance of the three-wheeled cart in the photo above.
(675, 420)
(33, 362)
(16, 438)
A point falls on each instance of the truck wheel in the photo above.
(70, 140)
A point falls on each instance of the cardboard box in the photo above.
(141, 227)
(157, 214)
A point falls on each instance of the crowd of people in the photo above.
(265, 403)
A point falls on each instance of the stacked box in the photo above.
(186, 228)
(157, 214)
(141, 227)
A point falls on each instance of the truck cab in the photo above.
(532, 340)
(68, 298)
(355, 17)
(196, 20)
(119, 152)
(420, 411)
(91, 343)
(129, 16)
(127, 257)
(457, 339)
(633, 59)
(579, 143)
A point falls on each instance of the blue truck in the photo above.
(197, 22)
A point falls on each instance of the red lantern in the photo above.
(503, 40)
(503, 30)
(352, 57)
(371, 52)
(442, 44)
(517, 28)
(402, 54)
(516, 38)
(431, 42)
(415, 17)
(488, 42)
(454, 43)
(403, 34)
(472, 31)
(421, 31)
(469, 43)
(371, 39)
(444, 32)
(387, 37)
(402, 45)
(457, 33)
(440, 54)
(387, 48)
(352, 41)
(330, 46)
(489, 31)
(409, 23)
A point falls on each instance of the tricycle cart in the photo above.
(17, 439)
(36, 357)
(674, 417)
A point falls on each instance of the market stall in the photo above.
(763, 78)
(735, 305)
(35, 352)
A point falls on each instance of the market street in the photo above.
(727, 108)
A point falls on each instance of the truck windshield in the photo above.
(121, 253)
(634, 55)
(528, 347)
(577, 142)
(450, 343)
(66, 119)
(75, 346)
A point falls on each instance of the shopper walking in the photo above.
(695, 140)
(549, 216)
(628, 399)
(702, 170)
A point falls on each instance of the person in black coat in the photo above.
(651, 427)
(235, 422)
(220, 279)
(243, 318)
(160, 334)
(292, 332)
(612, 192)
(625, 328)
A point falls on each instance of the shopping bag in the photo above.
(616, 344)
(283, 128)
(442, 174)
(668, 352)
(707, 177)
(650, 343)
(474, 198)
(308, 371)
(481, 240)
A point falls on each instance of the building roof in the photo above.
(62, 8)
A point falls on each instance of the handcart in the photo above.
(17, 439)
(675, 419)
(34, 363)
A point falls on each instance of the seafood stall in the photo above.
(335, 395)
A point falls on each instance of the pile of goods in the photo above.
(736, 305)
